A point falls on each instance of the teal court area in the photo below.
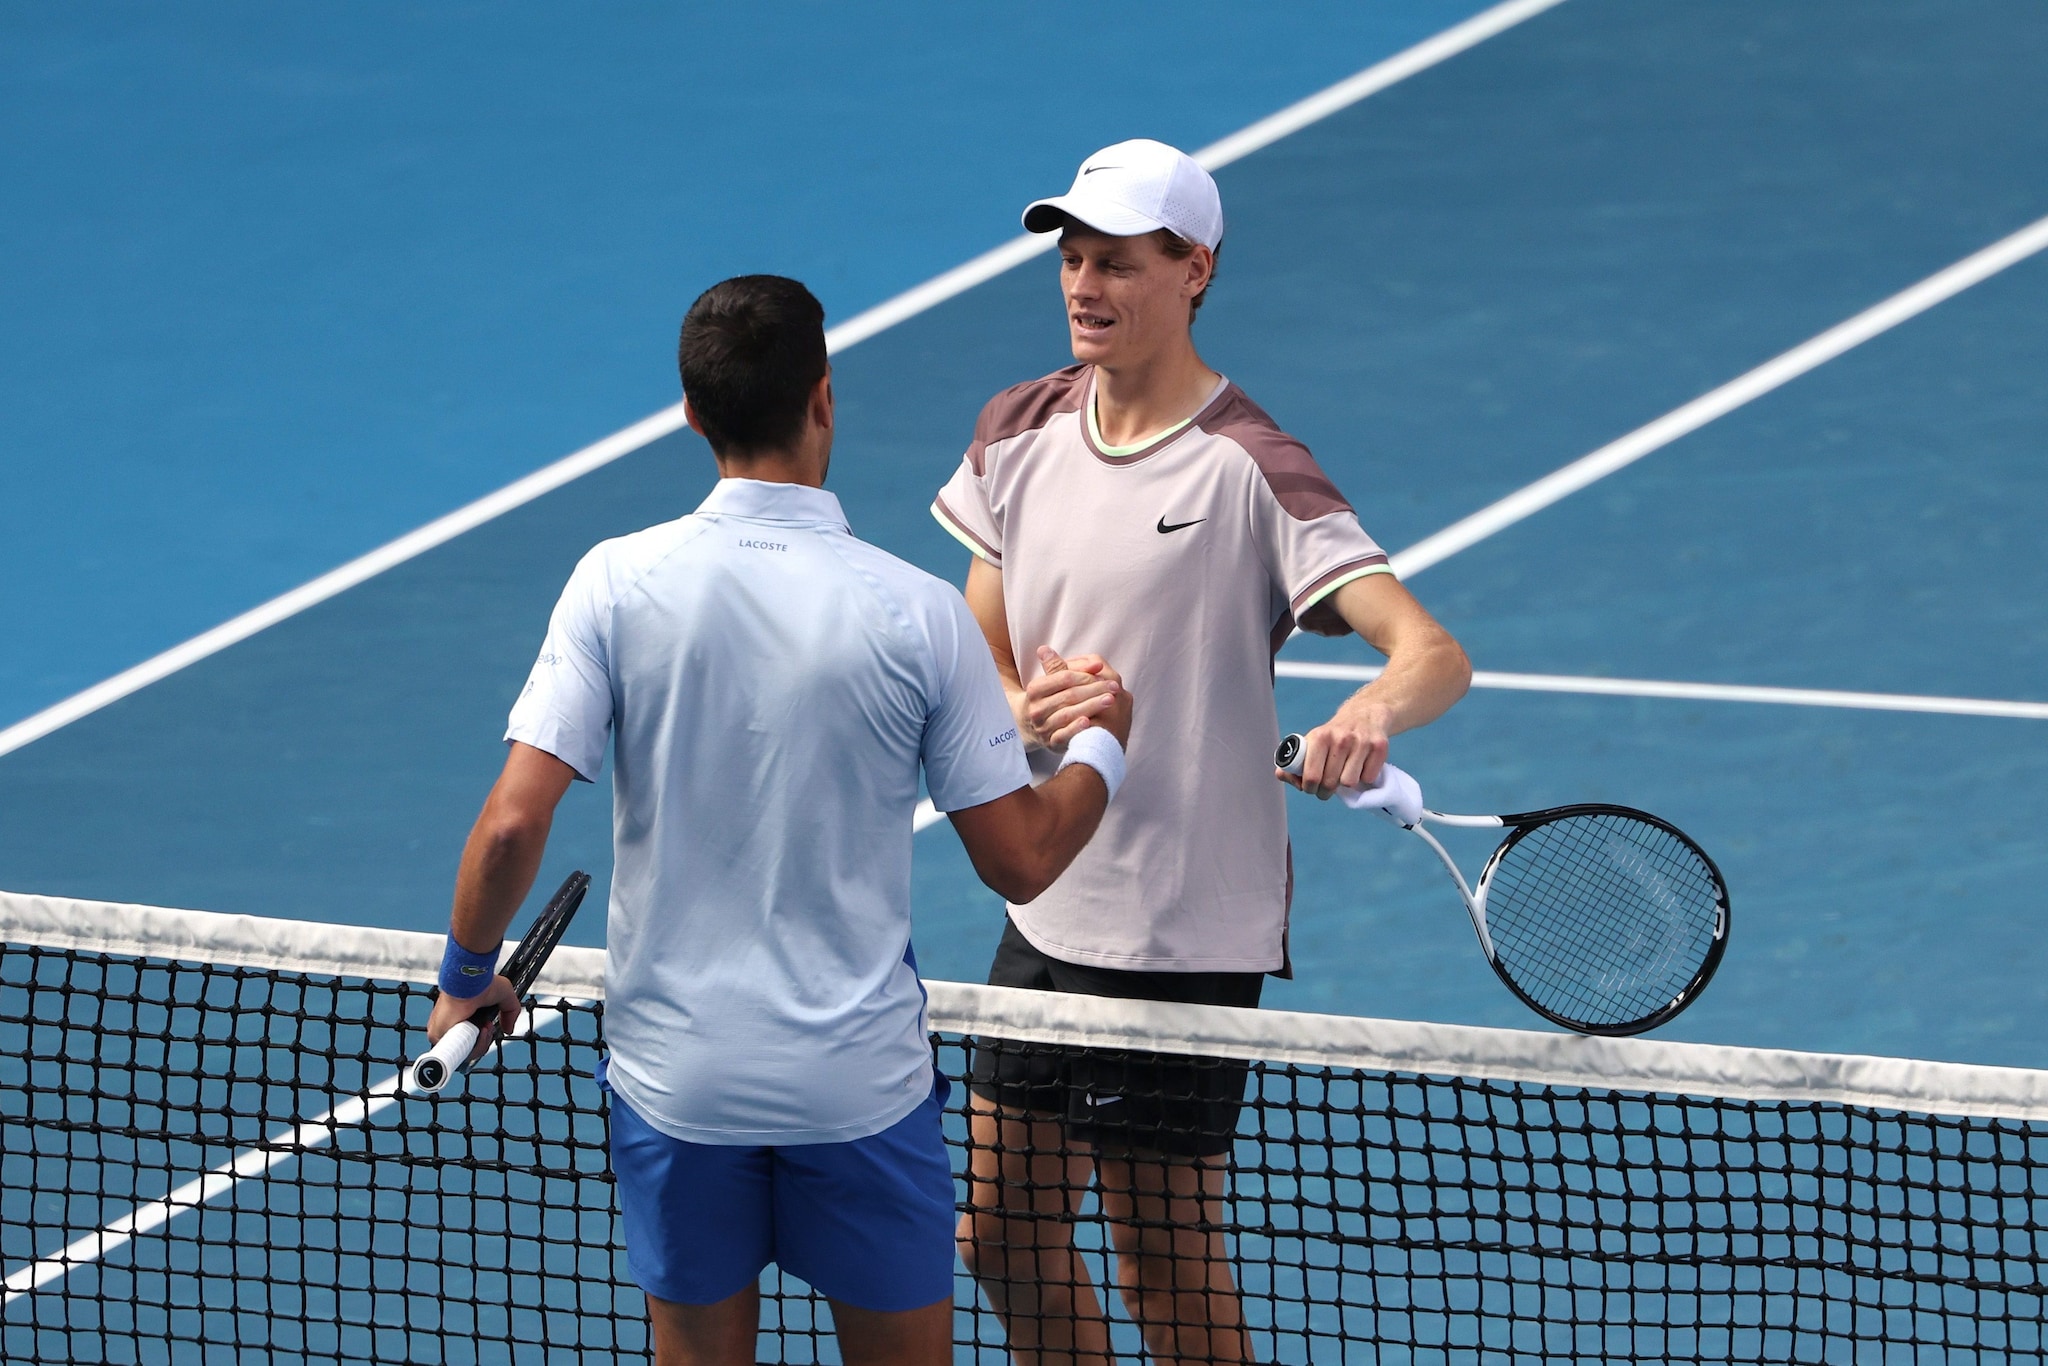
(297, 291)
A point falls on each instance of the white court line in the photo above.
(317, 1132)
(1845, 336)
(928, 816)
(1251, 138)
(1697, 692)
(652, 428)
(151, 1216)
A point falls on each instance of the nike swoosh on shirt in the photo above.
(1165, 526)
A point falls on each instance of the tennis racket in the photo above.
(432, 1070)
(1604, 919)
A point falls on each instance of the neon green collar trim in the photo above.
(1095, 434)
(1095, 429)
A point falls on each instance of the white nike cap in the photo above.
(1137, 187)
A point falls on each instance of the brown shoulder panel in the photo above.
(1024, 408)
(1298, 482)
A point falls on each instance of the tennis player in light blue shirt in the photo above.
(761, 891)
(770, 688)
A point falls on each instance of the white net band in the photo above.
(1649, 1066)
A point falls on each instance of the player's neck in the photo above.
(773, 472)
(804, 463)
(1135, 401)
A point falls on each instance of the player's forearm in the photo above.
(499, 864)
(1021, 843)
(984, 594)
(1426, 668)
(1072, 806)
(1423, 680)
(505, 845)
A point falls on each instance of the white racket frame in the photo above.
(1473, 895)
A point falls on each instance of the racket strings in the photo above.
(1603, 919)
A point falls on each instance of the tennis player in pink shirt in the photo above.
(1137, 509)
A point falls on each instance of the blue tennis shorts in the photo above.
(867, 1222)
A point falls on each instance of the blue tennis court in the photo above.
(1535, 249)
(1448, 289)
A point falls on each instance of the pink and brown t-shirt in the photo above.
(1185, 563)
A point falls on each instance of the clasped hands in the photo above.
(1072, 694)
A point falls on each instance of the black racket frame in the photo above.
(1527, 823)
(523, 968)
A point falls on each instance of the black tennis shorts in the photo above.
(1117, 1098)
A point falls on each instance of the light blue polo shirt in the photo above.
(772, 686)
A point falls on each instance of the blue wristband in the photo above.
(465, 974)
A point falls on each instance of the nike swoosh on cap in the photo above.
(1091, 170)
(1178, 526)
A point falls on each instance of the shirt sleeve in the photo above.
(972, 752)
(566, 706)
(1312, 544)
(962, 508)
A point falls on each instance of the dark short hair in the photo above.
(752, 349)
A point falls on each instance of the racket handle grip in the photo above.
(433, 1069)
(1395, 797)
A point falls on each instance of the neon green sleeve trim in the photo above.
(957, 534)
(1330, 588)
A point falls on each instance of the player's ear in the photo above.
(821, 400)
(690, 416)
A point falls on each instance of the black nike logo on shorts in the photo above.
(1165, 526)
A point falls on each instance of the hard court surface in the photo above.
(331, 290)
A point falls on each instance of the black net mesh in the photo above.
(1354, 1216)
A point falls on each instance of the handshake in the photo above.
(1069, 696)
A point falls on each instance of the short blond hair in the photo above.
(1180, 249)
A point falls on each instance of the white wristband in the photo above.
(1098, 749)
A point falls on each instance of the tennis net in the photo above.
(205, 1154)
